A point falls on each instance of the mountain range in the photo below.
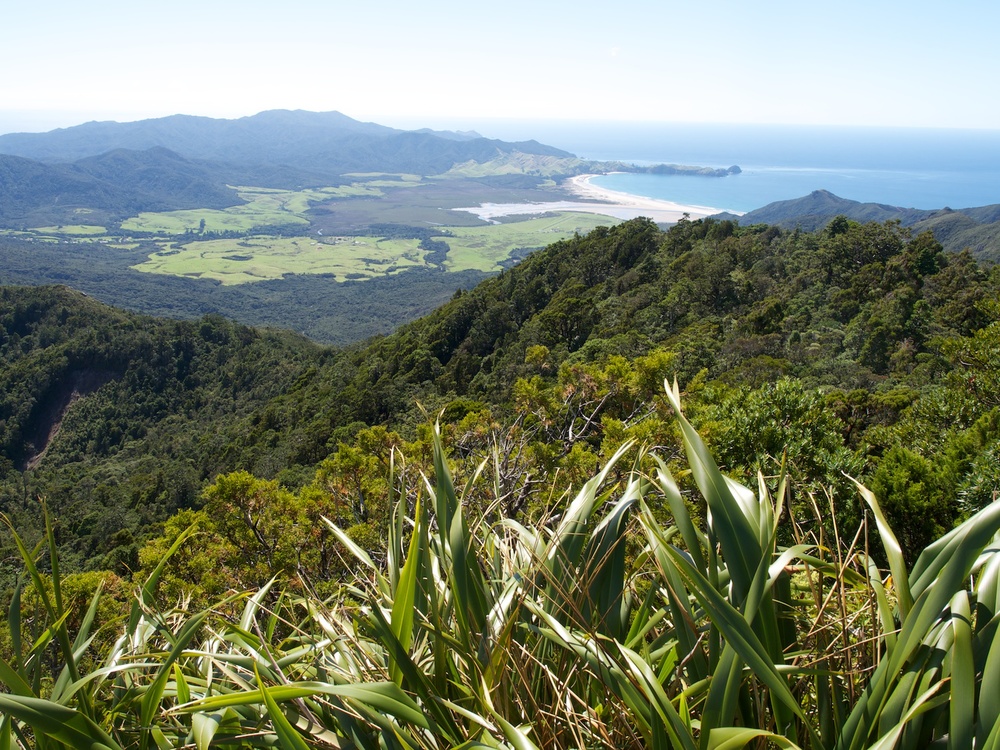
(320, 143)
(217, 492)
(183, 161)
(113, 170)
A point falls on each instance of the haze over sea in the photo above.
(908, 167)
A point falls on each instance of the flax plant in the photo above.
(601, 626)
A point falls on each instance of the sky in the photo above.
(441, 63)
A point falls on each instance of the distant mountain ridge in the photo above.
(112, 170)
(326, 142)
(119, 182)
(977, 229)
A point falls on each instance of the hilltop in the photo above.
(977, 229)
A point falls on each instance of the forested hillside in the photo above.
(108, 187)
(856, 349)
(222, 536)
(108, 415)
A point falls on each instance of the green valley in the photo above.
(273, 233)
(259, 257)
(256, 258)
(491, 247)
(185, 216)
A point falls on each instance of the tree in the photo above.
(751, 431)
(915, 496)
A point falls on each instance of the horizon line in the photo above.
(80, 118)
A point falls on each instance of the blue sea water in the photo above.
(909, 167)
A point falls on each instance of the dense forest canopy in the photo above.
(438, 535)
(856, 350)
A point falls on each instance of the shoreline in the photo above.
(598, 200)
(655, 208)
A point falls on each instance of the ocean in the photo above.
(908, 167)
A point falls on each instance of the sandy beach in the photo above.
(627, 206)
(597, 200)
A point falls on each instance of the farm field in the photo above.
(76, 230)
(261, 258)
(486, 248)
(263, 207)
(368, 227)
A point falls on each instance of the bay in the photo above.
(759, 186)
(909, 167)
(925, 169)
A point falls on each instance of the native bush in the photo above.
(597, 626)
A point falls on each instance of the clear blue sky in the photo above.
(877, 62)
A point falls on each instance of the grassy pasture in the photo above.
(236, 219)
(240, 261)
(532, 164)
(261, 258)
(337, 212)
(427, 206)
(484, 248)
(82, 230)
(264, 207)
